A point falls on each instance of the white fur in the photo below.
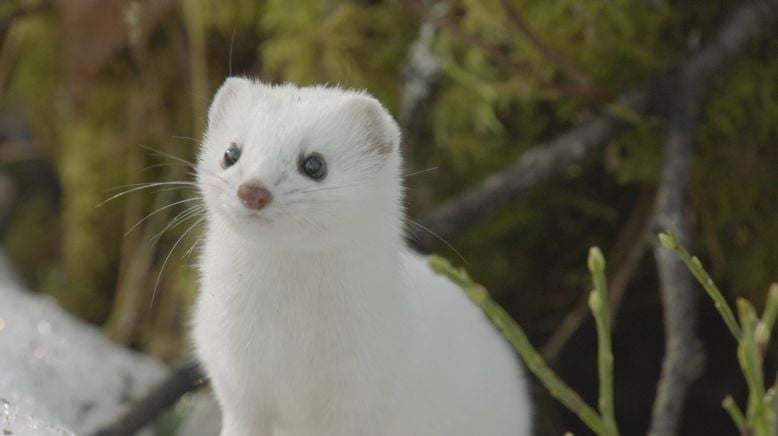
(313, 317)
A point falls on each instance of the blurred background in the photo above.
(99, 95)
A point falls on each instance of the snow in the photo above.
(12, 422)
(58, 375)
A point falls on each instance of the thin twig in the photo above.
(598, 302)
(670, 241)
(630, 240)
(765, 327)
(629, 250)
(561, 336)
(518, 339)
(757, 412)
(735, 413)
(751, 335)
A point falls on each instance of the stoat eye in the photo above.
(314, 166)
(231, 155)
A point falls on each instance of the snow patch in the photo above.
(58, 372)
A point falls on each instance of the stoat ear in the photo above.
(380, 131)
(230, 90)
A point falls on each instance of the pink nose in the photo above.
(254, 196)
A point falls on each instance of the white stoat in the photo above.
(313, 317)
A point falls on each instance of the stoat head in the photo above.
(303, 167)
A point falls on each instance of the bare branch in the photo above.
(536, 165)
(684, 356)
(182, 379)
(8, 197)
(421, 73)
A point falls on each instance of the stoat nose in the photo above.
(254, 196)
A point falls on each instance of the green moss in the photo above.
(37, 78)
(735, 180)
(339, 42)
(87, 250)
(32, 239)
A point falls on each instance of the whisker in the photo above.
(438, 237)
(149, 184)
(164, 263)
(209, 173)
(166, 164)
(229, 60)
(196, 243)
(177, 188)
(183, 185)
(180, 218)
(326, 188)
(169, 156)
(194, 188)
(416, 173)
(144, 186)
(158, 211)
(182, 161)
(187, 138)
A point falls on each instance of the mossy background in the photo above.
(82, 102)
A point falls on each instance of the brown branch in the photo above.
(183, 378)
(627, 253)
(544, 161)
(629, 250)
(9, 193)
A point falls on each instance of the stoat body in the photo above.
(313, 317)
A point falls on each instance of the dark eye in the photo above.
(314, 166)
(231, 155)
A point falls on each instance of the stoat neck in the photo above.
(356, 269)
